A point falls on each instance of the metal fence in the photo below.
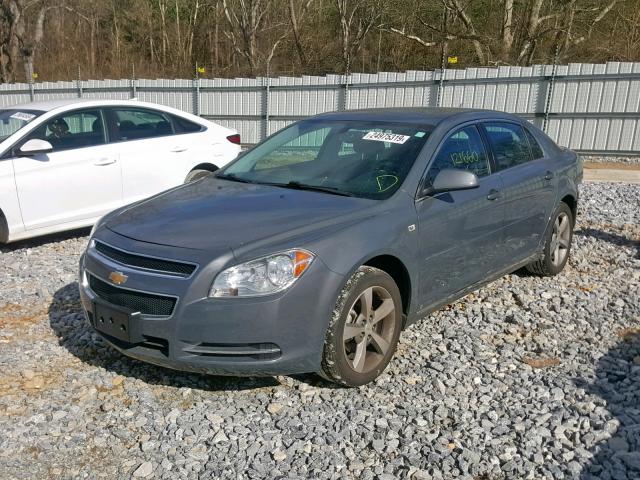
(590, 108)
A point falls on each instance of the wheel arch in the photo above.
(4, 228)
(572, 203)
(205, 166)
(397, 270)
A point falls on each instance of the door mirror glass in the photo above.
(451, 179)
(35, 146)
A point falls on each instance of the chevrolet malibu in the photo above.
(313, 250)
(65, 163)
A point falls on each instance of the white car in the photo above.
(64, 164)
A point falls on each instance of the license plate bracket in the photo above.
(114, 322)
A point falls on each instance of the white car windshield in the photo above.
(367, 159)
(12, 120)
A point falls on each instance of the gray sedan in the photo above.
(314, 249)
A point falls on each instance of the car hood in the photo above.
(213, 213)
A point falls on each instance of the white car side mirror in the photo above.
(34, 147)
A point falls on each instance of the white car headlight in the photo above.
(95, 227)
(270, 274)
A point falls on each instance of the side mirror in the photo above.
(451, 179)
(34, 147)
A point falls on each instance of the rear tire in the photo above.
(557, 243)
(197, 174)
(364, 329)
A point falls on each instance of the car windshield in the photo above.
(12, 120)
(356, 158)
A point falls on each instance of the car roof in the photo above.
(48, 105)
(419, 115)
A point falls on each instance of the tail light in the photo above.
(235, 138)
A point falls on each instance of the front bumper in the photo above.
(270, 335)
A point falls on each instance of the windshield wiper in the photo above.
(233, 177)
(313, 188)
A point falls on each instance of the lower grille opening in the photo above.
(145, 303)
(255, 351)
(156, 343)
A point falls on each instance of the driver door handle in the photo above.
(105, 161)
(493, 194)
(178, 149)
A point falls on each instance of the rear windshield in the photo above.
(12, 120)
(369, 159)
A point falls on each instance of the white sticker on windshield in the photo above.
(386, 137)
(26, 117)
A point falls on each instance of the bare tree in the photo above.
(296, 17)
(23, 42)
(507, 31)
(357, 18)
(245, 21)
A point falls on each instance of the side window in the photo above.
(536, 150)
(510, 147)
(463, 150)
(134, 124)
(77, 129)
(182, 125)
(301, 149)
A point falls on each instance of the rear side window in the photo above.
(509, 144)
(182, 125)
(536, 150)
(77, 129)
(134, 124)
(463, 150)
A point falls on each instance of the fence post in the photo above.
(32, 93)
(79, 83)
(134, 87)
(266, 91)
(343, 94)
(196, 95)
(552, 79)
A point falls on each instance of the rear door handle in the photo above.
(105, 161)
(493, 194)
(548, 175)
(178, 149)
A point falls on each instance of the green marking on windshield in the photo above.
(381, 179)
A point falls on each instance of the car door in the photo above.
(78, 180)
(153, 158)
(528, 182)
(460, 232)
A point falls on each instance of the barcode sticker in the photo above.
(386, 137)
(27, 117)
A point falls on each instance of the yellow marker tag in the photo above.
(201, 69)
(452, 60)
(34, 75)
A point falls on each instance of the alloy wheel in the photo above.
(369, 329)
(560, 239)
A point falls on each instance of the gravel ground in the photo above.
(526, 378)
(634, 160)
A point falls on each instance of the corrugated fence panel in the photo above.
(592, 107)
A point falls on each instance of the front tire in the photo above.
(557, 243)
(364, 329)
(197, 174)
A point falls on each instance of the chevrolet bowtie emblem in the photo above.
(118, 277)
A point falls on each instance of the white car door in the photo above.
(79, 180)
(153, 159)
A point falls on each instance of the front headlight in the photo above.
(270, 274)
